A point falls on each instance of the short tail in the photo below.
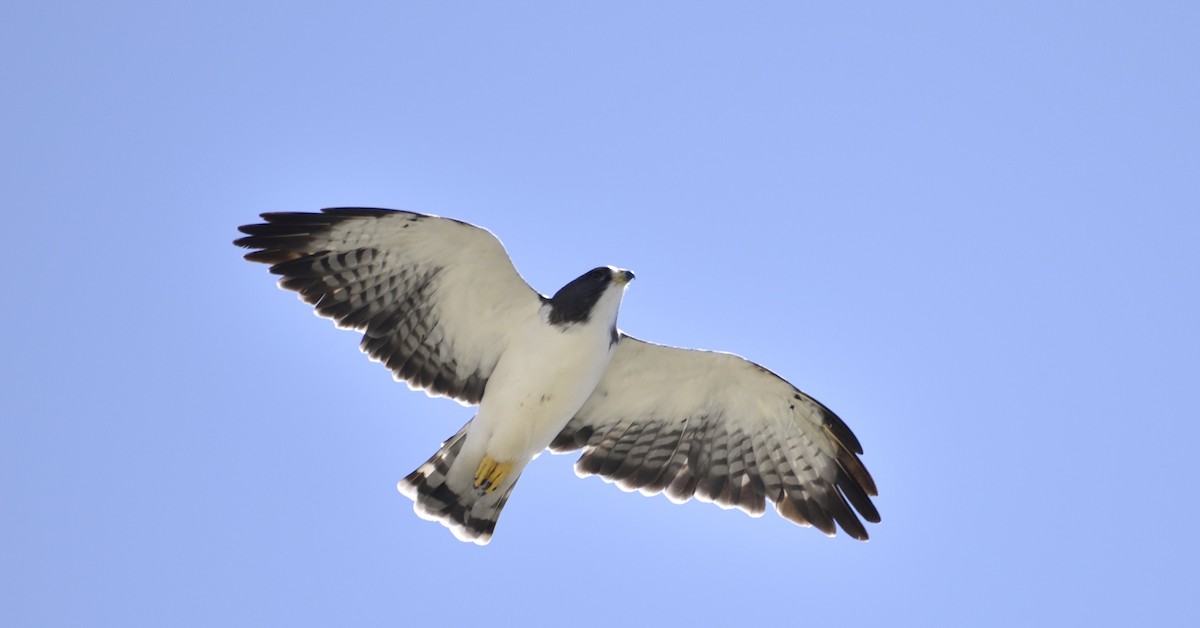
(469, 513)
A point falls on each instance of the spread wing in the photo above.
(723, 429)
(435, 298)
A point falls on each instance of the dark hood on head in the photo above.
(573, 303)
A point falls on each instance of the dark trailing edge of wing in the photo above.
(391, 307)
(693, 457)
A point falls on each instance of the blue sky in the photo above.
(971, 229)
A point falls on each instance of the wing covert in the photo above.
(723, 429)
(434, 297)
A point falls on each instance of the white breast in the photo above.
(540, 382)
(544, 376)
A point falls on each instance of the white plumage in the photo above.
(539, 383)
(440, 304)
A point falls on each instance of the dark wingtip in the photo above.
(839, 429)
(282, 237)
(270, 256)
(858, 497)
(362, 212)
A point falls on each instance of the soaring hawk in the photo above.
(440, 304)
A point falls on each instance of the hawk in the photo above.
(441, 305)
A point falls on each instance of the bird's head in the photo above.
(598, 291)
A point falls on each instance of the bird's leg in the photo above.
(490, 473)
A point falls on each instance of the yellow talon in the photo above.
(486, 466)
(498, 475)
(490, 473)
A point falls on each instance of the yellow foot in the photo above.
(490, 473)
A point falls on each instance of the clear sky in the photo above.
(971, 229)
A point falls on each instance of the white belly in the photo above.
(540, 382)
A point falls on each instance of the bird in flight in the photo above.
(441, 305)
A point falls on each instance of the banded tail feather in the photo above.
(468, 512)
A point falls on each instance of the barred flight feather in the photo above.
(700, 424)
(380, 272)
(437, 301)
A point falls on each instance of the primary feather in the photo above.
(439, 303)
